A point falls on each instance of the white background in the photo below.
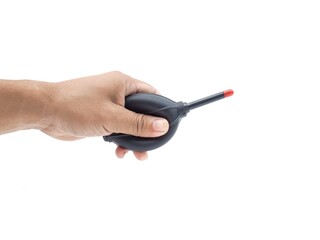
(246, 167)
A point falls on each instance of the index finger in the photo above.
(137, 86)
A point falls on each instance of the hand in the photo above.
(94, 106)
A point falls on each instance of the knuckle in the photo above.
(117, 73)
(141, 123)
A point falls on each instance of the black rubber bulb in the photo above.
(157, 105)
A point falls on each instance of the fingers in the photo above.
(135, 124)
(141, 155)
(137, 86)
(141, 125)
(121, 152)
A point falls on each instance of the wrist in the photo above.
(35, 104)
(44, 105)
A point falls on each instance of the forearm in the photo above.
(23, 105)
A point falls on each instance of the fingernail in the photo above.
(160, 125)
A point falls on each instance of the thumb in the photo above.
(140, 125)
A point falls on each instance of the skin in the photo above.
(74, 109)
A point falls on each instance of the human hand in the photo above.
(94, 106)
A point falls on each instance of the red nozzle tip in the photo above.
(228, 93)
